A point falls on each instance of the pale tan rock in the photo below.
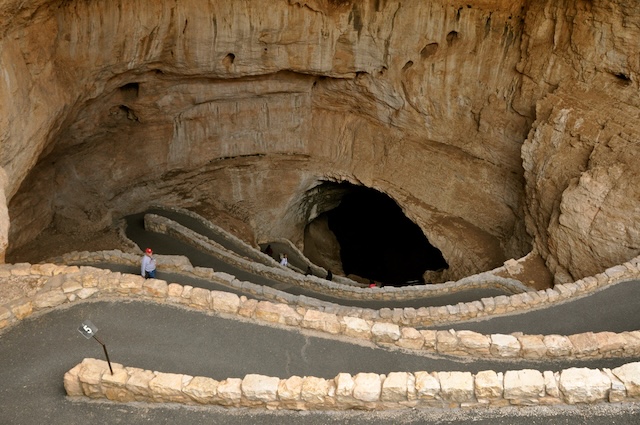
(90, 376)
(155, 288)
(488, 385)
(5, 313)
(131, 283)
(72, 383)
(22, 309)
(618, 391)
(457, 387)
(85, 293)
(427, 385)
(473, 343)
(532, 346)
(321, 321)
(410, 338)
(523, 386)
(504, 345)
(260, 388)
(225, 302)
(114, 386)
(610, 344)
(629, 374)
(582, 385)
(368, 387)
(557, 345)
(387, 333)
(430, 339)
(551, 383)
(202, 390)
(632, 343)
(315, 390)
(22, 269)
(584, 344)
(174, 291)
(356, 327)
(583, 238)
(138, 382)
(290, 389)
(447, 342)
(277, 313)
(200, 298)
(230, 391)
(395, 387)
(71, 286)
(513, 267)
(167, 387)
(344, 387)
(49, 299)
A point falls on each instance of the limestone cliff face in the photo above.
(247, 106)
(579, 158)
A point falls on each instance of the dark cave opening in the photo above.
(378, 242)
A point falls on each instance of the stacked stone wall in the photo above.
(345, 288)
(369, 391)
(35, 289)
(30, 289)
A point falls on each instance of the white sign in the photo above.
(88, 329)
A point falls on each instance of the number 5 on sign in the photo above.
(88, 329)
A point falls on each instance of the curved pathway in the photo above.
(163, 244)
(36, 353)
(615, 308)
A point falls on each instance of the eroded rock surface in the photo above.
(497, 126)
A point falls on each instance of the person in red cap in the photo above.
(148, 267)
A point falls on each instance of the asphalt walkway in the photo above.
(35, 354)
(615, 308)
(162, 244)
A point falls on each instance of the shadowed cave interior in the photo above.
(376, 240)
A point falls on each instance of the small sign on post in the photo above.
(89, 330)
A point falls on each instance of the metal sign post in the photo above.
(89, 330)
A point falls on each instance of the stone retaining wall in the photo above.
(368, 391)
(164, 225)
(27, 289)
(250, 252)
(409, 316)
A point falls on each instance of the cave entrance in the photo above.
(376, 241)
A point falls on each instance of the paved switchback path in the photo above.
(35, 354)
(615, 308)
(162, 244)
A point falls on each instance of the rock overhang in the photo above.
(253, 107)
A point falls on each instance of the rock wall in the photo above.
(237, 107)
(36, 289)
(365, 391)
(579, 156)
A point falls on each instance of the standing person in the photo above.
(148, 266)
(284, 261)
(329, 275)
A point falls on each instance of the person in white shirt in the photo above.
(148, 266)
(284, 261)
